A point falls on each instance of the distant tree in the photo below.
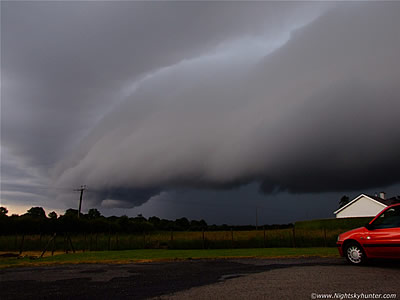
(166, 224)
(139, 218)
(70, 212)
(343, 201)
(3, 211)
(93, 213)
(4, 221)
(203, 224)
(154, 220)
(52, 215)
(123, 223)
(182, 223)
(37, 212)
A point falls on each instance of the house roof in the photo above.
(387, 202)
(358, 197)
(379, 199)
(383, 202)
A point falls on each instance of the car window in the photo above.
(389, 219)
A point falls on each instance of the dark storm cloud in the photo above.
(65, 64)
(318, 114)
(298, 97)
(352, 141)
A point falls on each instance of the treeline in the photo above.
(35, 221)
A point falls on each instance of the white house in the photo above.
(364, 206)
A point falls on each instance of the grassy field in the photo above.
(147, 255)
(314, 233)
(277, 238)
(333, 224)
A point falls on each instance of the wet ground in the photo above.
(295, 278)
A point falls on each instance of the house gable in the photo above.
(362, 206)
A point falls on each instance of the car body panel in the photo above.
(382, 242)
(376, 242)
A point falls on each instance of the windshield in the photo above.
(389, 219)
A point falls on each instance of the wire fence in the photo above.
(66, 242)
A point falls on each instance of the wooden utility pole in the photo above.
(83, 187)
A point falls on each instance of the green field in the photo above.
(314, 233)
(146, 255)
(307, 238)
(277, 238)
(333, 224)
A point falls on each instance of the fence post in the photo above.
(116, 241)
(65, 243)
(144, 240)
(265, 244)
(85, 243)
(203, 240)
(47, 245)
(109, 241)
(294, 237)
(70, 242)
(22, 244)
(231, 238)
(325, 236)
(54, 244)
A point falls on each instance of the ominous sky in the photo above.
(199, 109)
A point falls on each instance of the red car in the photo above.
(380, 238)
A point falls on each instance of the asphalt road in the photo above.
(202, 279)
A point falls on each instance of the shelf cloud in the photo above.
(299, 98)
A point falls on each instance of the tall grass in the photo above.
(332, 224)
(298, 237)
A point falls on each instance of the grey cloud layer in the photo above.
(221, 94)
(318, 114)
(67, 63)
